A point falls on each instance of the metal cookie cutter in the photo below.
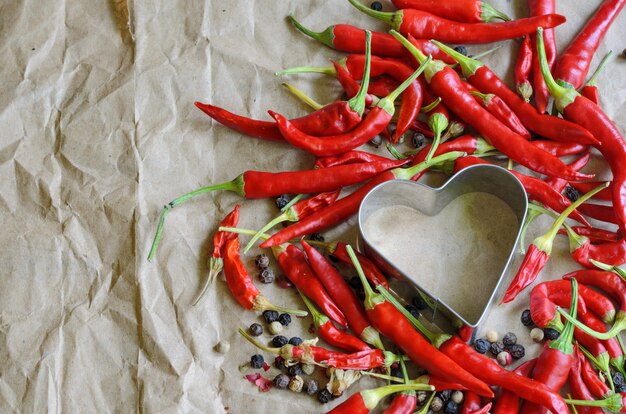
(430, 201)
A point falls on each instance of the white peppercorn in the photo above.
(536, 334)
(296, 383)
(457, 397)
(275, 327)
(308, 369)
(492, 336)
(504, 358)
(436, 404)
(222, 347)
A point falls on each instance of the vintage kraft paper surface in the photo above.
(99, 131)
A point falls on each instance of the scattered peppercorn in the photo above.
(279, 362)
(413, 310)
(255, 329)
(296, 384)
(492, 336)
(551, 334)
(276, 327)
(295, 341)
(262, 261)
(457, 397)
(422, 396)
(294, 370)
(310, 386)
(419, 302)
(279, 341)
(324, 396)
(266, 276)
(444, 395)
(222, 347)
(418, 139)
(504, 358)
(509, 339)
(282, 201)
(536, 334)
(450, 407)
(620, 388)
(281, 381)
(496, 348)
(481, 346)
(284, 319)
(270, 316)
(376, 141)
(257, 361)
(376, 5)
(526, 319)
(317, 237)
(436, 404)
(571, 193)
(517, 351)
(395, 371)
(461, 49)
(618, 378)
(308, 369)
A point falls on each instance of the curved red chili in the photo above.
(501, 110)
(594, 234)
(468, 11)
(542, 95)
(597, 387)
(560, 149)
(372, 273)
(216, 263)
(522, 69)
(578, 387)
(573, 64)
(578, 164)
(350, 157)
(606, 194)
(364, 401)
(403, 403)
(424, 25)
(508, 402)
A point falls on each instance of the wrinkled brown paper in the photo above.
(99, 130)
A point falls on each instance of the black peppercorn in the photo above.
(284, 319)
(444, 395)
(262, 261)
(324, 396)
(618, 378)
(509, 339)
(310, 386)
(295, 341)
(376, 141)
(270, 316)
(294, 370)
(461, 49)
(376, 5)
(257, 361)
(517, 351)
(526, 319)
(551, 334)
(282, 201)
(496, 348)
(279, 341)
(266, 276)
(281, 381)
(317, 237)
(571, 193)
(413, 310)
(419, 302)
(481, 346)
(450, 407)
(418, 140)
(255, 329)
(279, 362)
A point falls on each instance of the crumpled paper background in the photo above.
(99, 131)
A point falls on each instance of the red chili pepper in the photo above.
(364, 401)
(606, 194)
(349, 85)
(547, 126)
(590, 89)
(350, 157)
(424, 25)
(610, 253)
(438, 119)
(343, 296)
(522, 69)
(329, 333)
(351, 39)
(574, 61)
(536, 189)
(472, 404)
(468, 11)
(391, 323)
(240, 284)
(373, 123)
(539, 253)
(293, 262)
(601, 212)
(554, 362)
(259, 184)
(336, 118)
(587, 114)
(595, 235)
(542, 95)
(612, 346)
(216, 263)
(296, 212)
(508, 402)
(446, 83)
(579, 389)
(438, 383)
(578, 164)
(597, 387)
(403, 403)
(372, 273)
(345, 207)
(502, 112)
(560, 149)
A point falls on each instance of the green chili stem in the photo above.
(592, 80)
(371, 298)
(319, 318)
(387, 102)
(430, 106)
(286, 216)
(469, 66)
(612, 403)
(326, 37)
(615, 269)
(488, 12)
(326, 70)
(303, 96)
(371, 398)
(387, 17)
(602, 363)
(216, 265)
(357, 103)
(394, 152)
(564, 342)
(257, 343)
(407, 173)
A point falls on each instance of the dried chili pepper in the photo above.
(573, 64)
(590, 89)
(484, 367)
(350, 157)
(577, 385)
(351, 39)
(297, 212)
(554, 362)
(551, 127)
(424, 25)
(596, 386)
(343, 296)
(445, 82)
(392, 324)
(468, 11)
(364, 401)
(587, 114)
(329, 333)
(241, 286)
(508, 402)
(594, 234)
(373, 123)
(560, 149)
(216, 263)
(501, 110)
(258, 184)
(522, 69)
(539, 252)
(348, 205)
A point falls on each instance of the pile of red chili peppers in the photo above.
(470, 114)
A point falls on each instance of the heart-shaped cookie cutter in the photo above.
(430, 201)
